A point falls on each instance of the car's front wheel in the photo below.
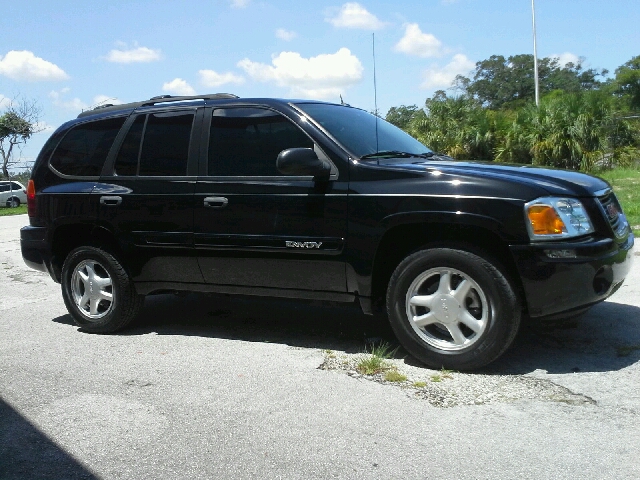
(452, 309)
(97, 291)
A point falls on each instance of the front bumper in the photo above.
(555, 285)
(36, 252)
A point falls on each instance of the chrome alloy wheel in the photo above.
(447, 309)
(92, 289)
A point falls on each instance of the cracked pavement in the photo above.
(223, 387)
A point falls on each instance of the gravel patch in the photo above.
(445, 388)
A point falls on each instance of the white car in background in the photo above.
(12, 193)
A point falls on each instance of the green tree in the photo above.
(17, 124)
(627, 82)
(500, 82)
(403, 115)
(578, 131)
(457, 126)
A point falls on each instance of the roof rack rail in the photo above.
(172, 98)
(159, 99)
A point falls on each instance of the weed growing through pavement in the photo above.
(371, 364)
(394, 375)
(374, 362)
(444, 373)
(419, 384)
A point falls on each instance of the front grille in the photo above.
(613, 213)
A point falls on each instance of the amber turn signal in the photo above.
(545, 221)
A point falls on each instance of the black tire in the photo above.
(490, 299)
(89, 310)
(13, 202)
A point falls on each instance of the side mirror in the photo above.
(302, 162)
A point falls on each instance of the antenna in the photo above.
(535, 54)
(375, 87)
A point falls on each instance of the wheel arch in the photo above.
(407, 233)
(68, 237)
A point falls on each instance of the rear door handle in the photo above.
(215, 202)
(111, 201)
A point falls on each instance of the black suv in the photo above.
(313, 200)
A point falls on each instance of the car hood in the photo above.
(553, 181)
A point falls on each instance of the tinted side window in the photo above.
(15, 186)
(165, 148)
(247, 141)
(127, 159)
(84, 148)
(4, 187)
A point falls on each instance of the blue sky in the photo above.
(72, 55)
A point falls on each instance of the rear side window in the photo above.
(157, 144)
(84, 148)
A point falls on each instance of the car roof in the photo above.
(107, 109)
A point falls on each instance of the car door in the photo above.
(146, 195)
(255, 227)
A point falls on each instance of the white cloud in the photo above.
(24, 65)
(566, 57)
(211, 78)
(286, 35)
(178, 86)
(436, 77)
(354, 15)
(239, 3)
(60, 100)
(133, 55)
(419, 44)
(5, 102)
(323, 76)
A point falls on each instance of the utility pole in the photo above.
(535, 54)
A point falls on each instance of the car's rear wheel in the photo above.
(452, 309)
(13, 202)
(97, 291)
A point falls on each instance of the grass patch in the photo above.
(626, 184)
(394, 375)
(626, 350)
(419, 384)
(13, 211)
(383, 350)
(371, 364)
(442, 375)
(375, 362)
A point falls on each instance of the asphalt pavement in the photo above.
(219, 387)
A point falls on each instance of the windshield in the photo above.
(355, 129)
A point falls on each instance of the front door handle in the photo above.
(215, 202)
(110, 200)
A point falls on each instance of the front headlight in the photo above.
(552, 218)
